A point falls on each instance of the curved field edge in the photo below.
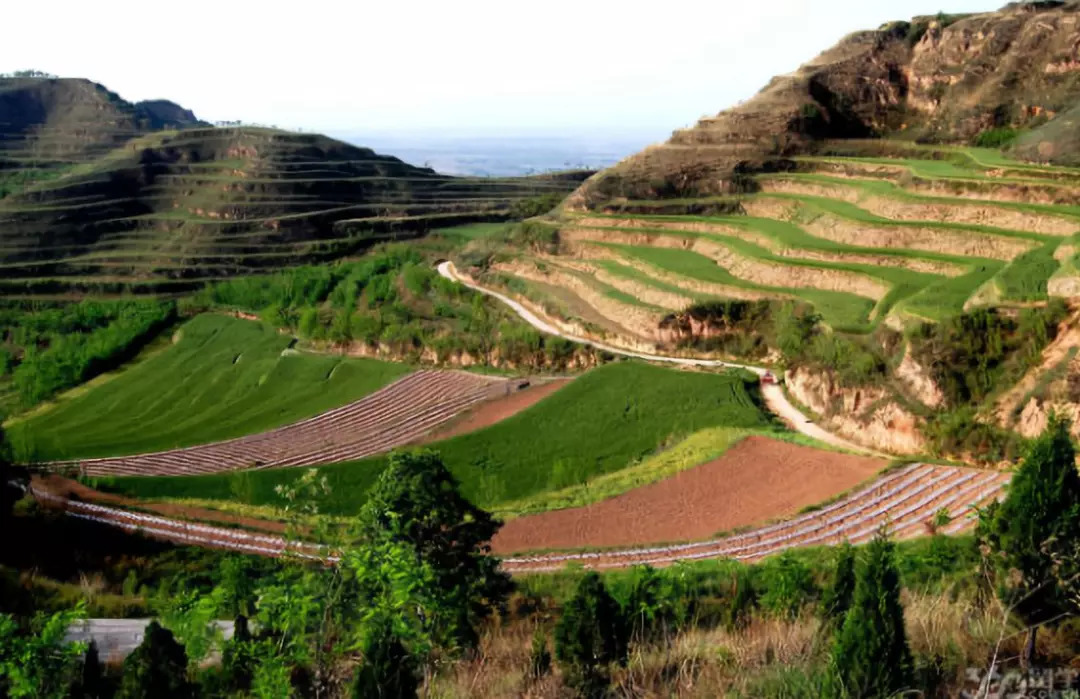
(221, 378)
(611, 417)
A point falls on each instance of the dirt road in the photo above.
(774, 395)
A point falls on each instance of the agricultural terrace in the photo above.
(170, 210)
(218, 378)
(614, 417)
(864, 239)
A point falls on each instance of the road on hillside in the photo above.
(774, 395)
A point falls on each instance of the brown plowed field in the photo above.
(493, 411)
(757, 480)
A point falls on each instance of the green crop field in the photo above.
(862, 238)
(607, 420)
(222, 378)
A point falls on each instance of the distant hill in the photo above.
(49, 120)
(104, 196)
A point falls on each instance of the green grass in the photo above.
(1025, 277)
(610, 418)
(841, 310)
(224, 378)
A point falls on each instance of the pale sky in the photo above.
(459, 66)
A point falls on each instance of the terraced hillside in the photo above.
(172, 209)
(864, 240)
(53, 123)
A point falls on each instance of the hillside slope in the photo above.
(49, 121)
(944, 79)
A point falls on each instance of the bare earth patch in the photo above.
(961, 211)
(497, 410)
(757, 480)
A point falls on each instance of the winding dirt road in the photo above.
(774, 395)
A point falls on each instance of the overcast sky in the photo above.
(459, 66)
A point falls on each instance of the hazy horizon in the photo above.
(472, 69)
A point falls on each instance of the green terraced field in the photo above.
(862, 236)
(223, 378)
(605, 421)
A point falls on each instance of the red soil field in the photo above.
(757, 480)
(496, 410)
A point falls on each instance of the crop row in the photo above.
(905, 503)
(393, 416)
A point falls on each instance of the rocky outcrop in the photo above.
(867, 416)
(917, 380)
(943, 78)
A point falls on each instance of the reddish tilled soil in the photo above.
(758, 479)
(497, 410)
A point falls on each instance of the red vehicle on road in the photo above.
(768, 377)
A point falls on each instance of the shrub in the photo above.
(996, 137)
(786, 584)
(591, 635)
(157, 668)
(388, 669)
(539, 656)
(871, 657)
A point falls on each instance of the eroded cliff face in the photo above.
(867, 416)
(944, 79)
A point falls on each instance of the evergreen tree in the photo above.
(871, 658)
(838, 597)
(1038, 520)
(238, 658)
(388, 669)
(417, 502)
(157, 668)
(591, 634)
(91, 684)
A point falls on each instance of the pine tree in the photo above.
(157, 668)
(1039, 518)
(591, 634)
(238, 658)
(838, 597)
(91, 683)
(388, 669)
(871, 658)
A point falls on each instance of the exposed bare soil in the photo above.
(497, 410)
(757, 480)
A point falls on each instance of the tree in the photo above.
(871, 657)
(1039, 517)
(591, 635)
(38, 661)
(416, 502)
(157, 668)
(238, 658)
(388, 670)
(91, 684)
(838, 597)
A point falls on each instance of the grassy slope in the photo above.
(605, 421)
(224, 378)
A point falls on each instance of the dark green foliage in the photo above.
(67, 345)
(539, 656)
(803, 340)
(960, 431)
(973, 353)
(1039, 519)
(742, 602)
(416, 501)
(871, 657)
(997, 137)
(838, 596)
(157, 668)
(92, 683)
(535, 206)
(732, 326)
(238, 658)
(787, 585)
(387, 670)
(656, 604)
(591, 635)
